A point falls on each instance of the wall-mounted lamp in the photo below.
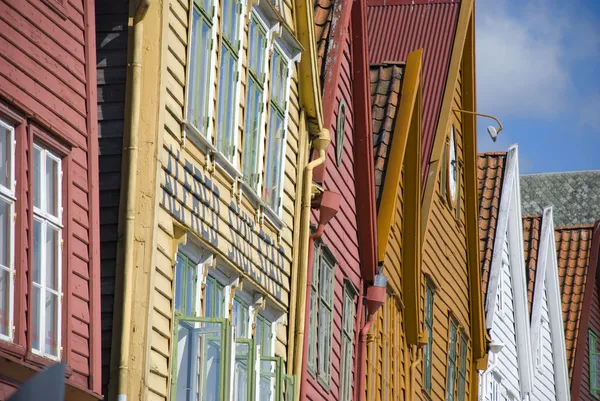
(491, 130)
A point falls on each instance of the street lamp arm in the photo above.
(483, 115)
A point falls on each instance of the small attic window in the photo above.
(340, 128)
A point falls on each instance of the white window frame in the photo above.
(196, 133)
(539, 350)
(280, 48)
(47, 219)
(9, 196)
(500, 293)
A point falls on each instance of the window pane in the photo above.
(209, 298)
(273, 161)
(219, 300)
(199, 355)
(52, 186)
(240, 379)
(37, 251)
(324, 340)
(278, 79)
(189, 291)
(198, 75)
(37, 177)
(51, 259)
(239, 317)
(51, 328)
(5, 306)
(5, 156)
(36, 323)
(267, 382)
(225, 112)
(5, 231)
(251, 136)
(179, 276)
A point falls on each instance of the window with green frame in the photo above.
(429, 330)
(201, 344)
(347, 336)
(462, 369)
(264, 338)
(594, 357)
(200, 63)
(314, 302)
(272, 191)
(324, 314)
(244, 356)
(228, 77)
(451, 373)
(257, 46)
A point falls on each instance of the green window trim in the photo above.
(594, 358)
(284, 384)
(348, 316)
(312, 334)
(340, 130)
(429, 302)
(218, 331)
(451, 372)
(188, 270)
(326, 304)
(462, 370)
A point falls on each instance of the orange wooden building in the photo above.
(429, 338)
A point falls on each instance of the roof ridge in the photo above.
(562, 172)
(574, 227)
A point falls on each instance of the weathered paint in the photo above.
(61, 110)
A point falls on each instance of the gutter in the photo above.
(124, 299)
(320, 144)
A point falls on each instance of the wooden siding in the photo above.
(111, 63)
(45, 71)
(594, 324)
(544, 379)
(341, 235)
(504, 331)
(445, 260)
(202, 202)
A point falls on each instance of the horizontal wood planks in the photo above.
(44, 75)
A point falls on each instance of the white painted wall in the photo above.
(544, 377)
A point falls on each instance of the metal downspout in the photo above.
(320, 144)
(131, 153)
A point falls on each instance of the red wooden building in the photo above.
(343, 263)
(49, 229)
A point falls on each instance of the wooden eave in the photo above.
(310, 86)
(406, 141)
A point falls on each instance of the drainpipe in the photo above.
(375, 298)
(413, 370)
(131, 153)
(320, 144)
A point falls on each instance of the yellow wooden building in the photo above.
(428, 340)
(222, 98)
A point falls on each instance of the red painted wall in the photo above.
(341, 234)
(594, 324)
(48, 80)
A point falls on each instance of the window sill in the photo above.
(425, 395)
(273, 218)
(12, 349)
(323, 383)
(251, 194)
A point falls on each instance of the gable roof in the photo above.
(573, 246)
(490, 178)
(410, 25)
(575, 196)
(386, 86)
(532, 226)
(323, 15)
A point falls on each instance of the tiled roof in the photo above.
(490, 176)
(575, 196)
(531, 243)
(386, 84)
(323, 14)
(573, 253)
(397, 28)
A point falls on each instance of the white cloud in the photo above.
(526, 57)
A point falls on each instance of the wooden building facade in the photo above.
(430, 337)
(202, 242)
(49, 231)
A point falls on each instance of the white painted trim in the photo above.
(510, 229)
(555, 313)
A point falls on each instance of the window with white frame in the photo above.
(451, 363)
(493, 388)
(347, 344)
(255, 92)
(216, 353)
(200, 63)
(47, 255)
(500, 294)
(322, 311)
(7, 228)
(539, 351)
(275, 141)
(228, 77)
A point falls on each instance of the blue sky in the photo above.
(538, 71)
